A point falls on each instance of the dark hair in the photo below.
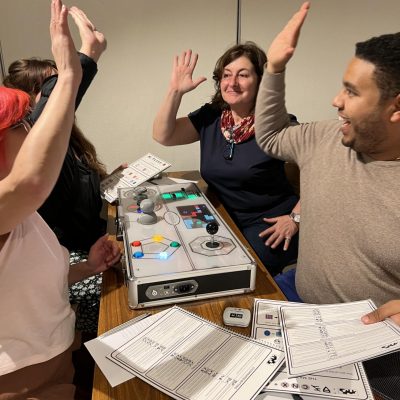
(250, 50)
(86, 151)
(28, 75)
(384, 52)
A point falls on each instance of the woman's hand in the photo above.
(182, 73)
(62, 45)
(102, 255)
(283, 229)
(390, 310)
(119, 168)
(93, 42)
(283, 46)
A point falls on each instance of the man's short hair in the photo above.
(384, 52)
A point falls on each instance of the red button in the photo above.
(136, 243)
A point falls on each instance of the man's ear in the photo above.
(395, 116)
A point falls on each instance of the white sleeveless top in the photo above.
(36, 319)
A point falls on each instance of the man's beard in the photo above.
(367, 135)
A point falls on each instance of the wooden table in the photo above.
(114, 308)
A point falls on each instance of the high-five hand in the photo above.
(62, 45)
(282, 48)
(93, 42)
(182, 73)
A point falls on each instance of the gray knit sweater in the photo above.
(350, 206)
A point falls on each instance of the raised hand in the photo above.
(283, 46)
(182, 73)
(93, 42)
(62, 45)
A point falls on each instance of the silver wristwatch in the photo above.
(295, 217)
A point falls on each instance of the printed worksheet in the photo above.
(188, 357)
(136, 173)
(345, 382)
(321, 337)
(100, 347)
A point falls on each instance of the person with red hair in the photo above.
(36, 319)
(14, 105)
(73, 208)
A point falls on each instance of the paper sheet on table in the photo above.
(101, 346)
(321, 337)
(188, 357)
(346, 382)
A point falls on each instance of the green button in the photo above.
(174, 244)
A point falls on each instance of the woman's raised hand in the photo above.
(62, 45)
(93, 42)
(182, 73)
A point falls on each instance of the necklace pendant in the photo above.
(228, 150)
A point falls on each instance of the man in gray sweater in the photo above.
(350, 169)
(349, 183)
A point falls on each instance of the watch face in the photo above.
(295, 217)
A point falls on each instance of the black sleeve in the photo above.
(293, 120)
(203, 116)
(89, 71)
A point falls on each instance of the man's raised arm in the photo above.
(271, 116)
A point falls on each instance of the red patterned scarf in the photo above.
(240, 132)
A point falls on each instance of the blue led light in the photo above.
(163, 255)
(138, 254)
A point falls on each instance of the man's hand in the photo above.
(282, 48)
(283, 229)
(390, 310)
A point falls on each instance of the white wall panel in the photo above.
(143, 36)
(326, 44)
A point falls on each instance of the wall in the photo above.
(327, 40)
(144, 35)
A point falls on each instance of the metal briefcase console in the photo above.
(177, 247)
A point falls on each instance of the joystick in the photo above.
(140, 194)
(148, 216)
(212, 229)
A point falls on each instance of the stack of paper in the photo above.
(188, 357)
(323, 347)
